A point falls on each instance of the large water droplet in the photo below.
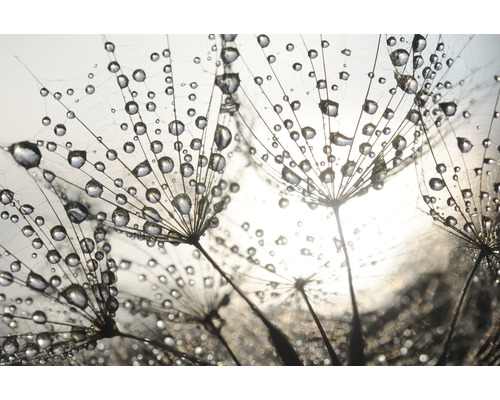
(93, 188)
(10, 345)
(77, 158)
(6, 196)
(263, 40)
(436, 184)
(449, 109)
(176, 127)
(39, 317)
(228, 83)
(327, 175)
(165, 164)
(229, 54)
(419, 43)
(399, 57)
(139, 75)
(58, 233)
(340, 140)
(36, 282)
(407, 83)
(222, 137)
(182, 202)
(464, 144)
(329, 107)
(120, 217)
(76, 295)
(77, 212)
(308, 132)
(132, 108)
(217, 162)
(370, 107)
(368, 129)
(399, 143)
(289, 176)
(6, 278)
(348, 169)
(26, 154)
(142, 169)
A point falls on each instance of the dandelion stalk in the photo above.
(331, 351)
(279, 340)
(458, 307)
(356, 341)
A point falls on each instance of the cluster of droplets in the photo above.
(57, 281)
(174, 151)
(324, 132)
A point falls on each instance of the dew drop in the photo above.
(76, 295)
(39, 317)
(120, 217)
(289, 176)
(464, 144)
(165, 164)
(142, 169)
(176, 127)
(182, 202)
(26, 154)
(36, 282)
(217, 162)
(449, 109)
(139, 75)
(228, 83)
(436, 184)
(329, 107)
(340, 140)
(77, 158)
(77, 212)
(222, 137)
(263, 40)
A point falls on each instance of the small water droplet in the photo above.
(77, 158)
(449, 108)
(120, 217)
(329, 107)
(182, 202)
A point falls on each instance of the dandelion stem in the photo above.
(226, 345)
(278, 338)
(164, 346)
(356, 343)
(331, 351)
(458, 308)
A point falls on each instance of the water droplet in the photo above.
(289, 176)
(77, 158)
(120, 217)
(131, 108)
(464, 144)
(58, 233)
(436, 184)
(36, 282)
(340, 140)
(122, 81)
(165, 164)
(229, 55)
(399, 143)
(176, 127)
(450, 221)
(370, 107)
(419, 43)
(6, 196)
(222, 137)
(6, 278)
(187, 170)
(182, 202)
(449, 109)
(329, 107)
(139, 75)
(77, 212)
(344, 75)
(26, 154)
(327, 175)
(39, 317)
(348, 168)
(228, 83)
(142, 169)
(379, 172)
(217, 162)
(10, 345)
(76, 295)
(308, 132)
(399, 57)
(368, 129)
(263, 40)
(407, 83)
